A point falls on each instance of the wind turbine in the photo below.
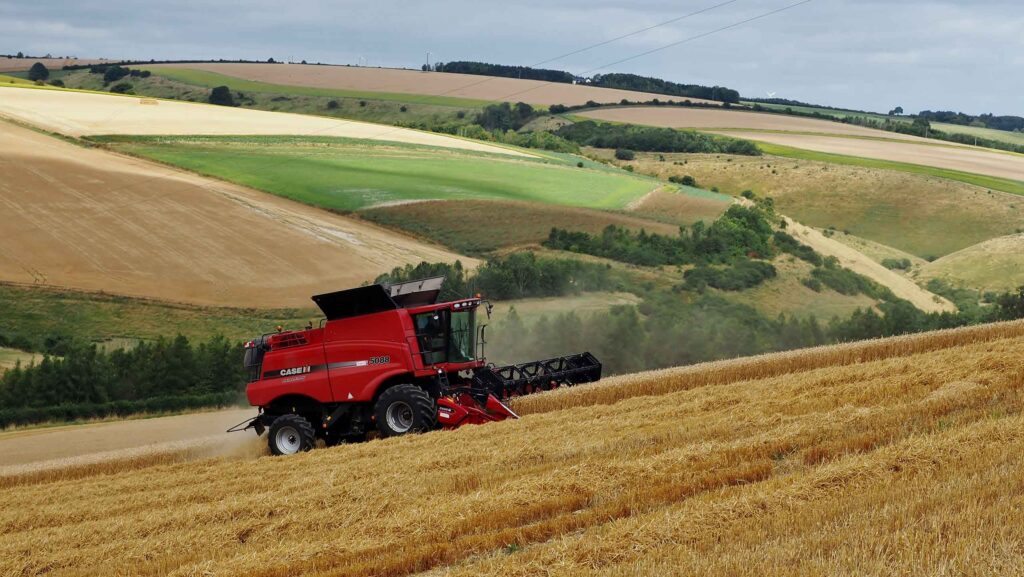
(771, 94)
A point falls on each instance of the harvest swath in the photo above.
(802, 463)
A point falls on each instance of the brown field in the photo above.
(677, 208)
(830, 137)
(416, 82)
(704, 119)
(475, 226)
(16, 64)
(995, 265)
(895, 457)
(86, 113)
(93, 220)
(963, 158)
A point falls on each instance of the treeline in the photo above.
(486, 69)
(1008, 123)
(87, 382)
(651, 139)
(664, 331)
(919, 126)
(740, 233)
(612, 80)
(659, 86)
(516, 276)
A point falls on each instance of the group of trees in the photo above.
(614, 80)
(80, 381)
(738, 234)
(1008, 123)
(519, 275)
(659, 86)
(485, 69)
(651, 139)
(505, 116)
(665, 330)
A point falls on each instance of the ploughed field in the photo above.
(900, 456)
(440, 86)
(827, 137)
(89, 219)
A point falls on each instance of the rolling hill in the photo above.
(827, 137)
(87, 113)
(785, 462)
(389, 82)
(90, 219)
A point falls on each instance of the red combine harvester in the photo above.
(388, 358)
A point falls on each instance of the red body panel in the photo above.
(348, 359)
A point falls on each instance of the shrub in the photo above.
(897, 263)
(403, 108)
(743, 275)
(813, 284)
(38, 72)
(362, 103)
(686, 180)
(624, 154)
(221, 96)
(58, 82)
(122, 88)
(333, 104)
(788, 244)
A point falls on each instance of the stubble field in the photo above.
(900, 456)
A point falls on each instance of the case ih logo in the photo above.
(295, 371)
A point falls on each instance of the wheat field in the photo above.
(892, 457)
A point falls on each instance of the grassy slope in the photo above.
(369, 110)
(37, 312)
(920, 214)
(348, 175)
(212, 79)
(782, 465)
(995, 265)
(995, 183)
(481, 226)
(10, 358)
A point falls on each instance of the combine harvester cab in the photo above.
(388, 359)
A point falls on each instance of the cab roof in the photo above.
(379, 298)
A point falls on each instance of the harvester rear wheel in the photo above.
(290, 434)
(404, 409)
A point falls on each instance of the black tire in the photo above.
(290, 434)
(404, 409)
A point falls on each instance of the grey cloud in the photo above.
(873, 54)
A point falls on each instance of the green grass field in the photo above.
(981, 132)
(995, 183)
(211, 79)
(35, 313)
(347, 175)
(824, 111)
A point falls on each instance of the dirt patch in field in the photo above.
(94, 220)
(734, 119)
(44, 445)
(83, 113)
(425, 83)
(678, 208)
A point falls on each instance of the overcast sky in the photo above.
(939, 54)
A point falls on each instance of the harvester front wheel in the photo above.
(290, 434)
(404, 409)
